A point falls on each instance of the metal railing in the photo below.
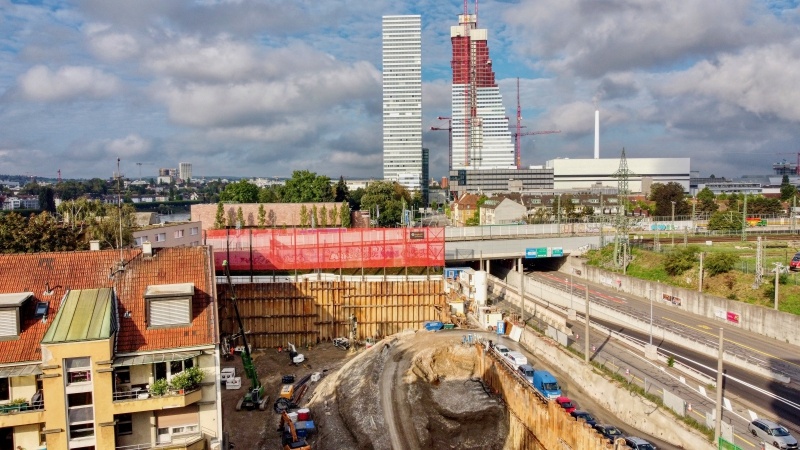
(186, 439)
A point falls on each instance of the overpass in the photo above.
(513, 248)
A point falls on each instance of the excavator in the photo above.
(254, 398)
(296, 443)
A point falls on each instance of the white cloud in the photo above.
(110, 45)
(131, 145)
(67, 83)
(761, 80)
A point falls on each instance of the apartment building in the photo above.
(174, 234)
(87, 338)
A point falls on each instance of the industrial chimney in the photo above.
(596, 134)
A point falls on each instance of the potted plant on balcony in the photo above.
(195, 375)
(180, 382)
(159, 387)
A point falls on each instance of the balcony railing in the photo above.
(143, 394)
(22, 407)
(177, 441)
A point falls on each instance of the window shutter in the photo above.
(8, 322)
(169, 312)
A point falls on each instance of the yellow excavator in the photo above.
(295, 443)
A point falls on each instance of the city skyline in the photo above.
(262, 89)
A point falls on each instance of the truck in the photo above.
(546, 384)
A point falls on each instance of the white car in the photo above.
(516, 358)
(501, 350)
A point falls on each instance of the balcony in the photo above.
(134, 401)
(194, 441)
(12, 415)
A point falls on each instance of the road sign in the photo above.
(536, 252)
(558, 251)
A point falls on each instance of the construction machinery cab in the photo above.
(290, 439)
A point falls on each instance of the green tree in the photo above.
(355, 199)
(587, 211)
(262, 216)
(725, 221)
(106, 228)
(314, 216)
(475, 220)
(344, 214)
(80, 213)
(340, 192)
(306, 186)
(269, 194)
(219, 219)
(664, 194)
(304, 219)
(705, 202)
(385, 200)
(680, 260)
(242, 191)
(323, 216)
(47, 200)
(717, 263)
(239, 218)
(788, 190)
(763, 205)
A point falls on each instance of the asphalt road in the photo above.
(777, 355)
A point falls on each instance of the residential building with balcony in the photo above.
(85, 338)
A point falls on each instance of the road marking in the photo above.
(702, 416)
(733, 342)
(705, 327)
(745, 440)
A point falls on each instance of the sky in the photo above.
(264, 88)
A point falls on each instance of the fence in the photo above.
(326, 248)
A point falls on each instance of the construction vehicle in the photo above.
(254, 398)
(296, 358)
(291, 442)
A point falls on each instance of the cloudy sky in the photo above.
(262, 88)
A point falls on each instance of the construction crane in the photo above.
(255, 396)
(797, 167)
(519, 133)
(140, 168)
(449, 130)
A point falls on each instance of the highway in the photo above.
(771, 353)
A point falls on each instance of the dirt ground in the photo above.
(416, 390)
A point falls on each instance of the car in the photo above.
(501, 350)
(610, 432)
(526, 370)
(794, 265)
(566, 403)
(516, 359)
(637, 443)
(577, 414)
(772, 433)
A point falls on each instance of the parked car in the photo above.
(772, 433)
(637, 443)
(526, 370)
(585, 416)
(501, 350)
(546, 384)
(566, 403)
(516, 358)
(795, 263)
(610, 432)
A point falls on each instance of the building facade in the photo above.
(583, 173)
(480, 135)
(93, 333)
(402, 100)
(491, 181)
(176, 234)
(185, 171)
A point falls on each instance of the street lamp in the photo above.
(650, 296)
(672, 232)
(778, 269)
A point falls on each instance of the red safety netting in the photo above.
(327, 248)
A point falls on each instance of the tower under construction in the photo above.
(480, 135)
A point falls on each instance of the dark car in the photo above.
(795, 263)
(637, 443)
(585, 416)
(609, 432)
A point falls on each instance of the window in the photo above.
(5, 392)
(124, 424)
(79, 370)
(168, 370)
(169, 304)
(161, 237)
(122, 375)
(139, 241)
(80, 415)
(178, 234)
(194, 230)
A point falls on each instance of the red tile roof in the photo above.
(63, 271)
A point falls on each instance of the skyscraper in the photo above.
(185, 171)
(480, 135)
(402, 100)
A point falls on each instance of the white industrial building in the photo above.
(185, 171)
(402, 100)
(643, 172)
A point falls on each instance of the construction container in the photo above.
(303, 414)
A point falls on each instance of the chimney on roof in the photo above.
(147, 248)
(94, 245)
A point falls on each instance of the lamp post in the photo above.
(672, 231)
(558, 216)
(570, 286)
(650, 296)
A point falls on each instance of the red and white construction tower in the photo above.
(480, 135)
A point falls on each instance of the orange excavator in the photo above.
(296, 443)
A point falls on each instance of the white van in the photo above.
(516, 358)
(501, 350)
